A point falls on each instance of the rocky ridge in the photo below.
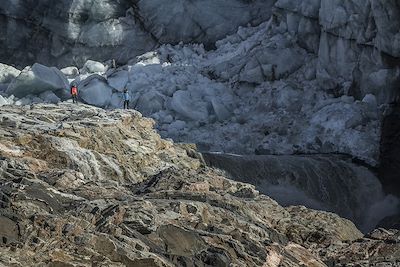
(81, 186)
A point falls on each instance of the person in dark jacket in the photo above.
(127, 97)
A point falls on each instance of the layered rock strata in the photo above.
(81, 186)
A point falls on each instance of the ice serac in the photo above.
(3, 101)
(104, 189)
(360, 44)
(38, 79)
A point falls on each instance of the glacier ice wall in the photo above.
(357, 42)
(68, 32)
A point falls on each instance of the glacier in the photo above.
(285, 77)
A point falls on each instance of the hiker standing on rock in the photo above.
(74, 93)
(126, 99)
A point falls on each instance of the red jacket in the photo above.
(74, 90)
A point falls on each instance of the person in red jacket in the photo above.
(74, 93)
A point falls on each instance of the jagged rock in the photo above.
(84, 186)
(381, 248)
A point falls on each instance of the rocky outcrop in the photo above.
(81, 186)
(65, 33)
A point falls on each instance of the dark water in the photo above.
(328, 183)
(389, 171)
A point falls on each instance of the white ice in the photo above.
(257, 92)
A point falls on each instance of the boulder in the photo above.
(49, 97)
(221, 111)
(95, 91)
(118, 80)
(117, 100)
(70, 72)
(183, 104)
(150, 102)
(3, 87)
(3, 101)
(8, 230)
(93, 67)
(38, 79)
(8, 73)
(370, 100)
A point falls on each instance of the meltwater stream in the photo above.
(328, 183)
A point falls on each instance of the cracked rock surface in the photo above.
(81, 186)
